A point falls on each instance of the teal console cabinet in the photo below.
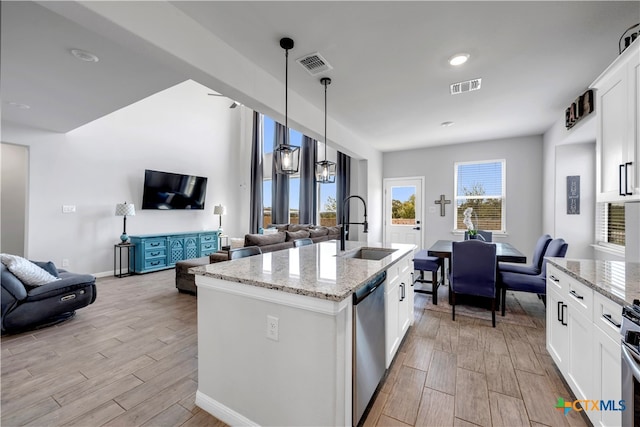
(155, 252)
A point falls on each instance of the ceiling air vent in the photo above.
(468, 86)
(314, 63)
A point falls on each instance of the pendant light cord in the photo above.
(325, 120)
(286, 97)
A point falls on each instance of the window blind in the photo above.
(610, 224)
(481, 186)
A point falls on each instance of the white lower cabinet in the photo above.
(398, 305)
(557, 332)
(583, 338)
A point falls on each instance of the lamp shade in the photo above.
(125, 209)
(219, 210)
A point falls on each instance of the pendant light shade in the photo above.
(287, 157)
(325, 170)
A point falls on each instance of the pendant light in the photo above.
(287, 157)
(325, 170)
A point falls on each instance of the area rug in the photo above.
(481, 309)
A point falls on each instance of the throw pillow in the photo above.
(318, 232)
(298, 227)
(263, 239)
(28, 273)
(294, 235)
(48, 266)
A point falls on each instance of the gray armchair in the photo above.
(24, 308)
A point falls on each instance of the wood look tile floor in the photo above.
(130, 359)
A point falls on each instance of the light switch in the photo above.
(68, 208)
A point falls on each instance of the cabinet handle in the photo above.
(155, 263)
(402, 292)
(154, 244)
(207, 246)
(620, 169)
(554, 279)
(559, 311)
(575, 295)
(608, 318)
(412, 281)
(626, 176)
(563, 307)
(154, 253)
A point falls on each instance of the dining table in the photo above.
(505, 252)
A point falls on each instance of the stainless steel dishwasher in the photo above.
(368, 343)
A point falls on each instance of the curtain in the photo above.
(343, 178)
(308, 196)
(255, 216)
(280, 183)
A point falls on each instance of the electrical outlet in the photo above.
(272, 328)
(65, 262)
(68, 208)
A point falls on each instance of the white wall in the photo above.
(577, 230)
(102, 163)
(523, 181)
(13, 205)
(570, 152)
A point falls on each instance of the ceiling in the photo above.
(390, 76)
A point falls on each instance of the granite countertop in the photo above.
(312, 270)
(617, 280)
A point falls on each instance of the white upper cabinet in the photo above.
(618, 135)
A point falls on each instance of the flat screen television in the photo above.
(166, 190)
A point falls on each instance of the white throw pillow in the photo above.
(29, 273)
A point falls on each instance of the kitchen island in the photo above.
(275, 331)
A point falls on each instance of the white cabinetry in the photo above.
(398, 305)
(583, 338)
(618, 135)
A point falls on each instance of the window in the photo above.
(481, 186)
(403, 205)
(295, 138)
(610, 224)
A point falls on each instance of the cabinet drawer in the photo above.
(151, 264)
(155, 253)
(607, 315)
(207, 247)
(208, 252)
(155, 244)
(208, 238)
(580, 298)
(557, 280)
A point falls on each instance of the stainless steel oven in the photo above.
(631, 364)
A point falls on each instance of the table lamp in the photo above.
(125, 209)
(220, 210)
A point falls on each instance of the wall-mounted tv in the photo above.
(166, 190)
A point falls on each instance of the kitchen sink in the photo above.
(373, 254)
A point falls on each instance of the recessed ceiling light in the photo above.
(83, 55)
(458, 59)
(446, 124)
(19, 105)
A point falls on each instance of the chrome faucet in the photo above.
(344, 222)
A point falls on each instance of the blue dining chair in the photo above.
(486, 235)
(473, 272)
(537, 284)
(536, 264)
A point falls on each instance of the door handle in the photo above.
(563, 307)
(416, 228)
(626, 175)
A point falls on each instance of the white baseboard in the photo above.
(222, 412)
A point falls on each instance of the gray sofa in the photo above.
(287, 233)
